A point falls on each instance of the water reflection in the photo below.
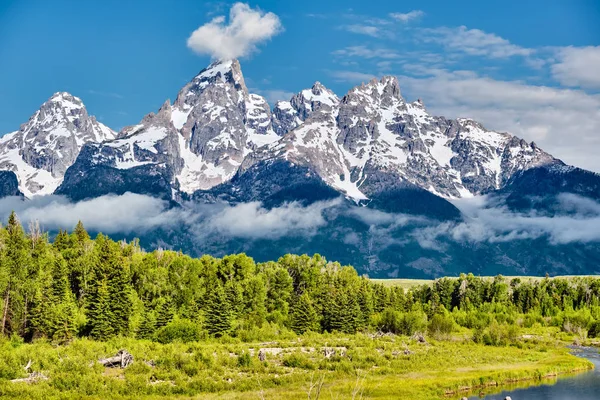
(584, 386)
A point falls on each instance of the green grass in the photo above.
(370, 368)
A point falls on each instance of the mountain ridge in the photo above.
(216, 129)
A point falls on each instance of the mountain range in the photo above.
(372, 150)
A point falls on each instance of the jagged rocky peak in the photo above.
(312, 100)
(317, 101)
(48, 143)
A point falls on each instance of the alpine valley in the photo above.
(386, 180)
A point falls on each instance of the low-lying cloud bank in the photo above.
(135, 213)
(578, 220)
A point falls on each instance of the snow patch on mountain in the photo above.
(49, 142)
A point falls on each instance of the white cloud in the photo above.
(351, 76)
(109, 214)
(239, 37)
(363, 30)
(409, 16)
(137, 214)
(578, 66)
(496, 225)
(563, 122)
(275, 95)
(251, 220)
(365, 52)
(473, 42)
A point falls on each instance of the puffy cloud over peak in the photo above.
(237, 37)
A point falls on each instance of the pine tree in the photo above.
(81, 234)
(217, 314)
(15, 266)
(147, 326)
(99, 313)
(111, 268)
(304, 317)
(165, 313)
(62, 325)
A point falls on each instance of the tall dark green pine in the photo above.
(62, 326)
(304, 317)
(344, 313)
(109, 300)
(218, 317)
(165, 313)
(99, 313)
(118, 286)
(16, 251)
(80, 233)
(147, 326)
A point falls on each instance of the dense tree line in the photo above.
(99, 288)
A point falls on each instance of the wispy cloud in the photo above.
(578, 66)
(409, 16)
(363, 30)
(275, 95)
(473, 42)
(497, 224)
(351, 76)
(365, 52)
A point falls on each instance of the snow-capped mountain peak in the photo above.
(48, 143)
(216, 129)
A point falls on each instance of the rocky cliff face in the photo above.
(195, 144)
(366, 143)
(372, 131)
(40, 152)
(9, 184)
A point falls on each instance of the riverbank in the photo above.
(334, 366)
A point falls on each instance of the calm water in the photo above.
(585, 386)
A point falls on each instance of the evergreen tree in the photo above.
(15, 268)
(304, 318)
(165, 313)
(100, 314)
(81, 234)
(147, 326)
(217, 314)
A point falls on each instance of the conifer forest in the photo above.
(93, 296)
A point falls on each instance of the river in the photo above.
(583, 386)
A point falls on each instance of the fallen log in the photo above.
(122, 360)
(32, 378)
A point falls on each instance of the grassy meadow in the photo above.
(364, 366)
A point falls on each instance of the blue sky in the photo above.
(528, 67)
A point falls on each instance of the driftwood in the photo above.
(32, 378)
(419, 338)
(262, 356)
(122, 359)
(328, 352)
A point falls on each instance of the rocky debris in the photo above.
(262, 356)
(32, 378)
(122, 359)
(329, 352)
(380, 334)
(418, 337)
